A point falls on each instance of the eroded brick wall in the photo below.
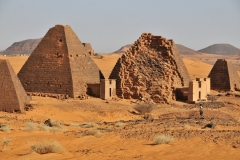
(151, 68)
(12, 95)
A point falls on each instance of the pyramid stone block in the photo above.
(224, 76)
(13, 97)
(151, 68)
(60, 64)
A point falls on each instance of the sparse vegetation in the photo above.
(93, 132)
(119, 124)
(29, 126)
(144, 108)
(47, 147)
(6, 128)
(163, 139)
(89, 125)
(6, 142)
(74, 125)
(186, 126)
(56, 127)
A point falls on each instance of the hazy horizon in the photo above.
(109, 25)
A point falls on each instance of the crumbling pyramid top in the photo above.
(60, 64)
(13, 98)
(151, 68)
(224, 76)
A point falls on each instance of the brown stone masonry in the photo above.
(13, 98)
(60, 64)
(151, 68)
(224, 76)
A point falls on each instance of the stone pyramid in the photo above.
(60, 64)
(224, 76)
(13, 97)
(151, 68)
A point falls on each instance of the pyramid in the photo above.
(60, 64)
(13, 97)
(151, 68)
(224, 76)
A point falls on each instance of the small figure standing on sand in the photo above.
(201, 110)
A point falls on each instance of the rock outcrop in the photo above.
(22, 48)
(152, 68)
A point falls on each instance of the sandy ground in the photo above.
(133, 140)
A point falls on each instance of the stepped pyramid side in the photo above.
(84, 70)
(224, 76)
(13, 97)
(151, 68)
(59, 65)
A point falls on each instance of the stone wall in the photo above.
(59, 64)
(151, 68)
(224, 76)
(13, 98)
(89, 49)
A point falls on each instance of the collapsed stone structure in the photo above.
(224, 76)
(89, 49)
(151, 68)
(13, 97)
(60, 64)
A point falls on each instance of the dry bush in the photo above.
(74, 125)
(6, 128)
(89, 125)
(6, 142)
(47, 147)
(163, 139)
(119, 124)
(93, 132)
(55, 128)
(187, 126)
(29, 126)
(144, 108)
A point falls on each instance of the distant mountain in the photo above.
(123, 49)
(222, 49)
(185, 50)
(22, 47)
(182, 49)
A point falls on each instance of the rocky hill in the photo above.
(182, 49)
(22, 47)
(222, 49)
(185, 50)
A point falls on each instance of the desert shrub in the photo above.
(186, 126)
(93, 132)
(119, 124)
(6, 142)
(89, 125)
(6, 128)
(54, 128)
(144, 108)
(163, 139)
(29, 126)
(47, 147)
(74, 125)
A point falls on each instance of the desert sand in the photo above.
(133, 140)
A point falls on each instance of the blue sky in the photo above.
(110, 24)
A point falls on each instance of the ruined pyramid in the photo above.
(60, 64)
(224, 76)
(13, 97)
(151, 68)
